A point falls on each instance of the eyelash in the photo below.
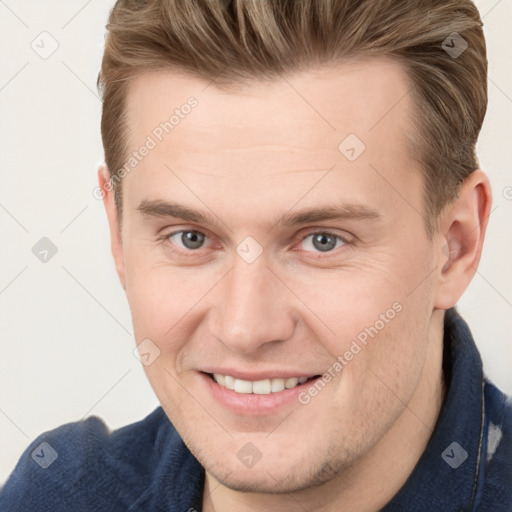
(187, 252)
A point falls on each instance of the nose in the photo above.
(253, 308)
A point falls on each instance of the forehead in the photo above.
(355, 95)
(279, 133)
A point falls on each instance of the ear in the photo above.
(462, 229)
(107, 193)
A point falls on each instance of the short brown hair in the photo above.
(232, 41)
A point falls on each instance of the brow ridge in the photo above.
(349, 211)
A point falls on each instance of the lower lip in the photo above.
(251, 404)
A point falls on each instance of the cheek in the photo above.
(380, 332)
(357, 304)
(380, 379)
(160, 295)
(393, 360)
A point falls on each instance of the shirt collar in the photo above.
(447, 475)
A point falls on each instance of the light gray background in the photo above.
(66, 348)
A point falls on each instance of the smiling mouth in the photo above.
(258, 387)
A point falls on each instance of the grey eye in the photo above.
(188, 239)
(322, 242)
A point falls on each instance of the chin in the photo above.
(273, 477)
(261, 481)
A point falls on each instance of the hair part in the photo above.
(235, 42)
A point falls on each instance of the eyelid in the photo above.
(345, 236)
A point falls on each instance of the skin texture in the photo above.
(247, 157)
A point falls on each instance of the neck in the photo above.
(370, 483)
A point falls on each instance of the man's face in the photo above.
(261, 293)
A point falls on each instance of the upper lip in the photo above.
(259, 375)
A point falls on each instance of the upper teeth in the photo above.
(258, 387)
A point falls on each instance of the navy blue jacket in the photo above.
(145, 466)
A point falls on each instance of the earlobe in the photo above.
(109, 203)
(462, 230)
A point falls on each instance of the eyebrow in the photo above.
(351, 211)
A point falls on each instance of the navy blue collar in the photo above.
(448, 475)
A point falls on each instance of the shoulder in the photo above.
(83, 465)
(497, 488)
